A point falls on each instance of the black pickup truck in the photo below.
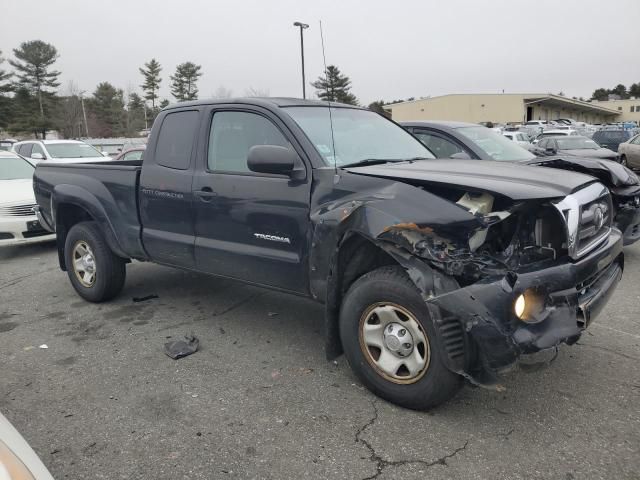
(430, 270)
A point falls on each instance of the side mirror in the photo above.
(105, 154)
(37, 156)
(272, 159)
(461, 156)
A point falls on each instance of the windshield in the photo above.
(497, 146)
(72, 150)
(358, 135)
(13, 168)
(576, 143)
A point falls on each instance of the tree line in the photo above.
(620, 90)
(30, 102)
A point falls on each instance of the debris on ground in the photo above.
(144, 299)
(44, 345)
(272, 314)
(181, 348)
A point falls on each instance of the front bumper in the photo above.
(22, 230)
(569, 296)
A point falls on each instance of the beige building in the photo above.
(628, 110)
(500, 108)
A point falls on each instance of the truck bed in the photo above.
(107, 191)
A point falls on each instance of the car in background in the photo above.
(58, 151)
(18, 461)
(612, 138)
(629, 152)
(461, 140)
(555, 132)
(520, 138)
(575, 145)
(132, 154)
(6, 144)
(18, 221)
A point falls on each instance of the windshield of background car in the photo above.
(497, 146)
(610, 136)
(72, 150)
(576, 143)
(357, 134)
(14, 168)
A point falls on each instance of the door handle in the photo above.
(205, 194)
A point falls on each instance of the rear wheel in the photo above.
(390, 341)
(96, 273)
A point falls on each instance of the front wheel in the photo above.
(390, 342)
(96, 273)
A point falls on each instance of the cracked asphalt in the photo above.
(259, 400)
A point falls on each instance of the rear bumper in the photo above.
(566, 299)
(22, 230)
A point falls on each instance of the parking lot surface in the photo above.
(259, 400)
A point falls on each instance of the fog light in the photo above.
(519, 306)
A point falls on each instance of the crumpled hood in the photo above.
(611, 173)
(17, 192)
(512, 180)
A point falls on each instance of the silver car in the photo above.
(629, 152)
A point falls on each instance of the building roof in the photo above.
(530, 99)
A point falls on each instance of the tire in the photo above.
(108, 269)
(389, 293)
(623, 160)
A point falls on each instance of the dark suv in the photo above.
(611, 139)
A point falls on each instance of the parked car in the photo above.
(131, 154)
(430, 270)
(630, 152)
(467, 140)
(575, 145)
(18, 222)
(556, 132)
(611, 139)
(18, 461)
(56, 151)
(520, 138)
(6, 144)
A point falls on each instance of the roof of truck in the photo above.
(265, 101)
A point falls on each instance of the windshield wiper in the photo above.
(377, 161)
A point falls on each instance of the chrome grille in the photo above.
(588, 215)
(17, 210)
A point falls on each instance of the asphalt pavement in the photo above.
(259, 400)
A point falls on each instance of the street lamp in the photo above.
(302, 27)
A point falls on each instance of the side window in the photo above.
(135, 155)
(25, 150)
(441, 147)
(175, 140)
(543, 143)
(636, 141)
(38, 149)
(233, 134)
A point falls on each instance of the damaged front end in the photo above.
(527, 277)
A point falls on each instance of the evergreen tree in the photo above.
(164, 103)
(377, 107)
(634, 90)
(334, 87)
(33, 70)
(151, 74)
(135, 114)
(183, 83)
(620, 90)
(107, 105)
(600, 94)
(6, 112)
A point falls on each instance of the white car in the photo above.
(18, 461)
(59, 151)
(555, 133)
(18, 222)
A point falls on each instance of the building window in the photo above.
(637, 108)
(631, 108)
(620, 108)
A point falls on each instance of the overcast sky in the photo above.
(390, 49)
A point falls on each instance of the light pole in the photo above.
(302, 27)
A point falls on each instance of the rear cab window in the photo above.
(175, 140)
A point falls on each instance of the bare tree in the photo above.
(69, 112)
(222, 92)
(256, 92)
